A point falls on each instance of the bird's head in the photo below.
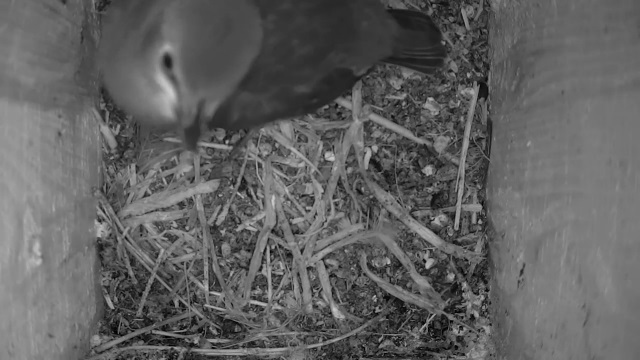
(171, 63)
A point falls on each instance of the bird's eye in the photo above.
(168, 66)
(167, 61)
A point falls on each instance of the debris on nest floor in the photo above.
(356, 232)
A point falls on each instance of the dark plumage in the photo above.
(240, 64)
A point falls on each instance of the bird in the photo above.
(196, 65)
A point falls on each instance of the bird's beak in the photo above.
(191, 135)
(195, 123)
(191, 122)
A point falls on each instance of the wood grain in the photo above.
(565, 178)
(49, 161)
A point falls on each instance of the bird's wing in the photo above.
(418, 44)
(312, 52)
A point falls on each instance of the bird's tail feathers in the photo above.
(419, 42)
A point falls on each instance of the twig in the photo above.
(351, 239)
(156, 216)
(423, 284)
(479, 10)
(337, 168)
(167, 199)
(269, 283)
(463, 155)
(131, 335)
(106, 132)
(298, 260)
(396, 209)
(264, 352)
(353, 138)
(129, 245)
(474, 199)
(404, 295)
(398, 292)
(280, 138)
(355, 133)
(297, 294)
(398, 129)
(263, 237)
(319, 209)
(323, 276)
(227, 205)
(321, 244)
(122, 247)
(205, 244)
(147, 288)
(250, 221)
(251, 302)
(465, 18)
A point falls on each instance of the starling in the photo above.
(195, 65)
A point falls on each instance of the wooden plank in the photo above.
(565, 178)
(48, 166)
